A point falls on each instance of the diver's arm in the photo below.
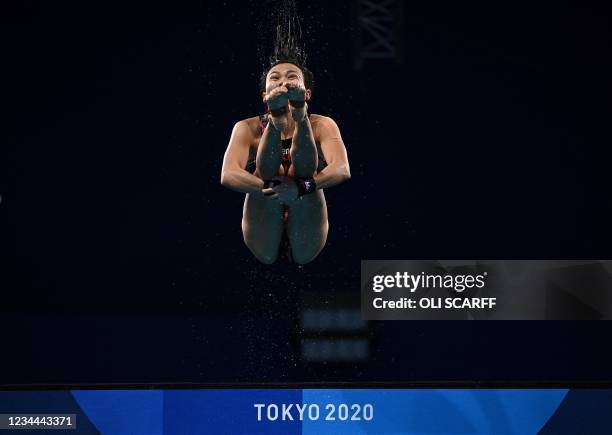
(337, 169)
(241, 181)
(233, 174)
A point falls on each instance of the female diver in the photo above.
(283, 160)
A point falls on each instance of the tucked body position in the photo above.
(283, 160)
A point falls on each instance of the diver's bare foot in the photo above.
(297, 102)
(277, 101)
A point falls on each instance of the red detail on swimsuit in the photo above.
(286, 162)
(286, 154)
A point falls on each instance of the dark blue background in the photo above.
(122, 256)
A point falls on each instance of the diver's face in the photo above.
(285, 74)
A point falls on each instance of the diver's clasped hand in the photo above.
(282, 188)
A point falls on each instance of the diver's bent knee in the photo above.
(304, 260)
(266, 255)
(266, 259)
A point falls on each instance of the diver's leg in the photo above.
(262, 218)
(269, 151)
(262, 227)
(307, 226)
(304, 157)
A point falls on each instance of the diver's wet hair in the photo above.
(288, 50)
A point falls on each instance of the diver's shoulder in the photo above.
(316, 119)
(322, 123)
(251, 123)
(253, 120)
